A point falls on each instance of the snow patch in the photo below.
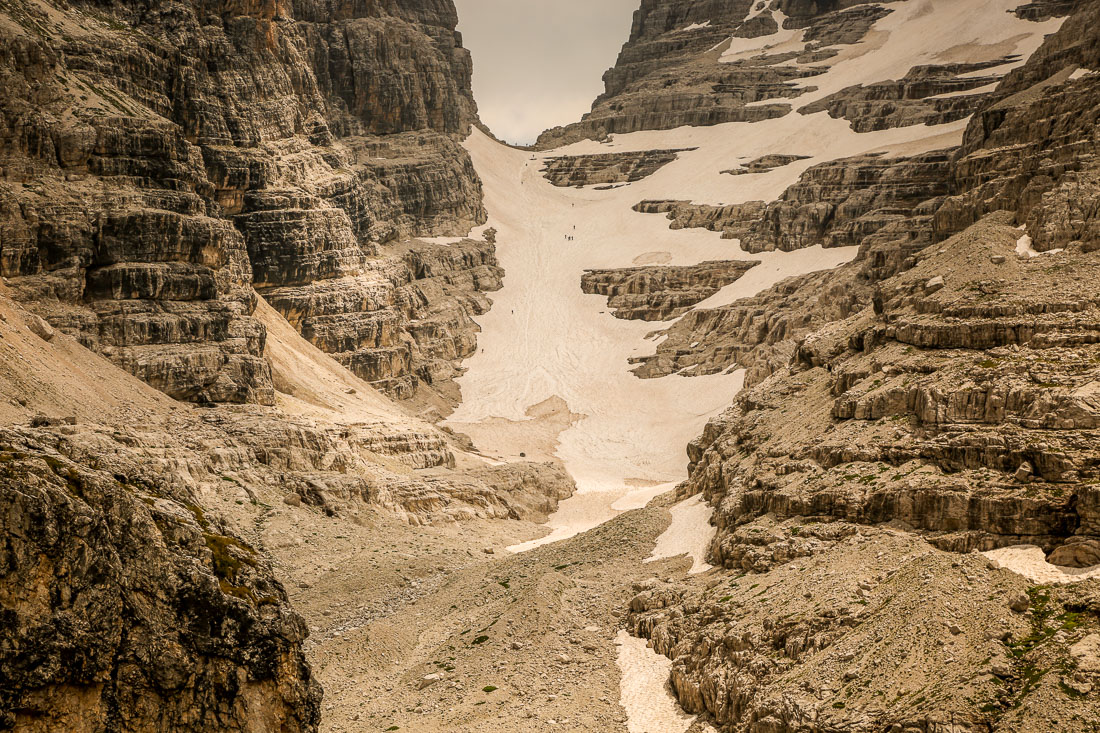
(1030, 561)
(1024, 248)
(689, 534)
(644, 690)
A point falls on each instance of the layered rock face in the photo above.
(959, 350)
(667, 74)
(661, 292)
(954, 396)
(835, 204)
(926, 95)
(759, 333)
(159, 164)
(733, 220)
(892, 207)
(965, 408)
(158, 161)
(884, 205)
(964, 411)
(607, 168)
(135, 586)
(397, 320)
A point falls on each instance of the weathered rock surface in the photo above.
(734, 220)
(835, 204)
(945, 392)
(818, 640)
(924, 416)
(1029, 150)
(843, 202)
(1032, 150)
(949, 360)
(156, 164)
(662, 292)
(884, 205)
(130, 601)
(1041, 10)
(926, 95)
(126, 609)
(765, 163)
(758, 333)
(532, 490)
(671, 71)
(668, 73)
(397, 320)
(584, 170)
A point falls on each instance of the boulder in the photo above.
(1081, 553)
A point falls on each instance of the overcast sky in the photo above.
(540, 63)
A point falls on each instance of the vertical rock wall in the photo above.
(158, 160)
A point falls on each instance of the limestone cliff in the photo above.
(160, 160)
(946, 386)
(162, 165)
(956, 329)
(661, 292)
(673, 70)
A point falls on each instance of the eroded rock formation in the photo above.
(674, 69)
(158, 162)
(940, 389)
(126, 609)
(131, 598)
(397, 320)
(926, 95)
(606, 168)
(662, 292)
(668, 73)
(765, 163)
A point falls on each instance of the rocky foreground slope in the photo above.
(137, 588)
(211, 196)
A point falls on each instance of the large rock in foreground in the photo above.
(159, 161)
(125, 609)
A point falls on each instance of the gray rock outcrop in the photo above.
(662, 292)
(607, 168)
(158, 163)
(125, 609)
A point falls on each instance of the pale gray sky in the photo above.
(540, 63)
